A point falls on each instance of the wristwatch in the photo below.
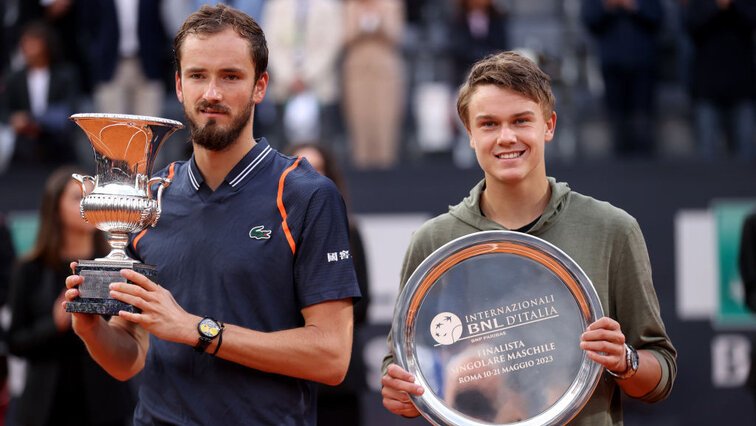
(631, 359)
(208, 329)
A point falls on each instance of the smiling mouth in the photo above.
(510, 155)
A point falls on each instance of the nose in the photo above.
(506, 136)
(212, 93)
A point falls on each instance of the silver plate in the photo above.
(490, 326)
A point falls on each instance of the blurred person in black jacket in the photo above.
(723, 82)
(479, 28)
(747, 265)
(64, 385)
(626, 32)
(39, 99)
(747, 260)
(129, 55)
(7, 257)
(64, 19)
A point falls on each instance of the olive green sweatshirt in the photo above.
(608, 245)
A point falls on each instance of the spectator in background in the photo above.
(373, 80)
(340, 405)
(64, 386)
(723, 82)
(479, 29)
(62, 17)
(40, 98)
(306, 37)
(129, 55)
(747, 260)
(4, 45)
(626, 32)
(7, 258)
(747, 267)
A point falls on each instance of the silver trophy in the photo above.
(121, 202)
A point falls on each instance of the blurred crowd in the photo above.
(374, 80)
(365, 84)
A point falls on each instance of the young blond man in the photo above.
(507, 107)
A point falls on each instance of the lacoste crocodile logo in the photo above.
(259, 233)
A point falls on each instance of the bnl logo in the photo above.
(730, 360)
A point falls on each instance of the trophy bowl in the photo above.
(121, 201)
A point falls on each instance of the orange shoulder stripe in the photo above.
(282, 209)
(171, 169)
(138, 237)
(141, 234)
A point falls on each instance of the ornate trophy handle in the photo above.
(80, 180)
(164, 183)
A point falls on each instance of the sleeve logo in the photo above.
(259, 233)
(337, 255)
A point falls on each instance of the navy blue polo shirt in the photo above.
(270, 240)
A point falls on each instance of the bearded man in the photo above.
(253, 254)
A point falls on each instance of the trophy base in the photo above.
(95, 290)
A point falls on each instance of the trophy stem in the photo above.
(118, 242)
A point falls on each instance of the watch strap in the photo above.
(202, 344)
(631, 361)
(220, 338)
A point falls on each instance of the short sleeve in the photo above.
(323, 268)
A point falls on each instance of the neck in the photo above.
(216, 165)
(515, 206)
(77, 245)
(36, 64)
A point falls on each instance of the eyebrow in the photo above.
(526, 113)
(226, 70)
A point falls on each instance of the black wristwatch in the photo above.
(631, 359)
(208, 329)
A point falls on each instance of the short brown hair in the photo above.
(215, 19)
(509, 70)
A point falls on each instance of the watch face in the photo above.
(209, 328)
(634, 359)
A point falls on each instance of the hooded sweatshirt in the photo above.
(608, 245)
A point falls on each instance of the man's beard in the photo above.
(212, 136)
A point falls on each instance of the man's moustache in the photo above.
(212, 107)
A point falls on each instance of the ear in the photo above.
(261, 87)
(470, 136)
(179, 90)
(550, 127)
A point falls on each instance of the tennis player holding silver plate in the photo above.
(497, 324)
